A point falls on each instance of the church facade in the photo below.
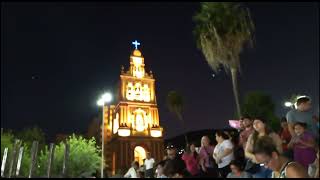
(132, 127)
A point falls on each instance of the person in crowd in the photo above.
(267, 154)
(241, 128)
(313, 169)
(284, 134)
(207, 163)
(172, 169)
(223, 153)
(133, 171)
(237, 171)
(302, 114)
(260, 130)
(247, 123)
(159, 170)
(191, 159)
(149, 163)
(303, 144)
(172, 154)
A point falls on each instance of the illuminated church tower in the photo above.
(132, 126)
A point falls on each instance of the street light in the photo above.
(105, 98)
(288, 104)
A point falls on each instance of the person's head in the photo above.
(236, 166)
(221, 136)
(173, 169)
(267, 154)
(148, 155)
(171, 151)
(247, 121)
(135, 164)
(241, 124)
(304, 104)
(191, 147)
(160, 167)
(284, 123)
(259, 124)
(299, 128)
(205, 141)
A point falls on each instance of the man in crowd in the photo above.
(172, 154)
(149, 163)
(248, 130)
(302, 114)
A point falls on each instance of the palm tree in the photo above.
(175, 105)
(222, 30)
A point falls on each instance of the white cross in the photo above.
(136, 44)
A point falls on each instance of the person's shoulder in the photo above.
(230, 175)
(294, 169)
(247, 175)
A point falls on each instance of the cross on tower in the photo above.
(136, 44)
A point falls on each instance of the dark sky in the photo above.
(57, 58)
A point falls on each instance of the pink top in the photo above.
(302, 154)
(204, 154)
(244, 135)
(191, 163)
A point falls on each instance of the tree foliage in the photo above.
(30, 134)
(7, 140)
(222, 30)
(175, 105)
(84, 157)
(259, 104)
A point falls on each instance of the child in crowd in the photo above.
(303, 145)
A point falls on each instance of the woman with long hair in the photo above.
(191, 159)
(260, 130)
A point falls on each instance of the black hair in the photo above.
(283, 119)
(238, 164)
(161, 163)
(302, 100)
(265, 145)
(172, 167)
(255, 134)
(136, 163)
(246, 116)
(222, 134)
(304, 125)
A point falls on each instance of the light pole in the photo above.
(105, 98)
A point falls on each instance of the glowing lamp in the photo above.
(155, 132)
(124, 131)
(288, 104)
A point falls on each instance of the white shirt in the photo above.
(149, 163)
(219, 149)
(131, 173)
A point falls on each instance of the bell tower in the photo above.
(133, 127)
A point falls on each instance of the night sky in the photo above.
(58, 58)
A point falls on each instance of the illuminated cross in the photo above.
(136, 44)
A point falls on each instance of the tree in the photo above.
(28, 135)
(175, 105)
(84, 157)
(259, 104)
(222, 30)
(7, 140)
(94, 128)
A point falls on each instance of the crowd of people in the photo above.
(256, 151)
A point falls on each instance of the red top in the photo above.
(285, 137)
(191, 163)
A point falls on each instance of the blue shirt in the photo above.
(295, 115)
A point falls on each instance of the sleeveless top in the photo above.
(283, 171)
